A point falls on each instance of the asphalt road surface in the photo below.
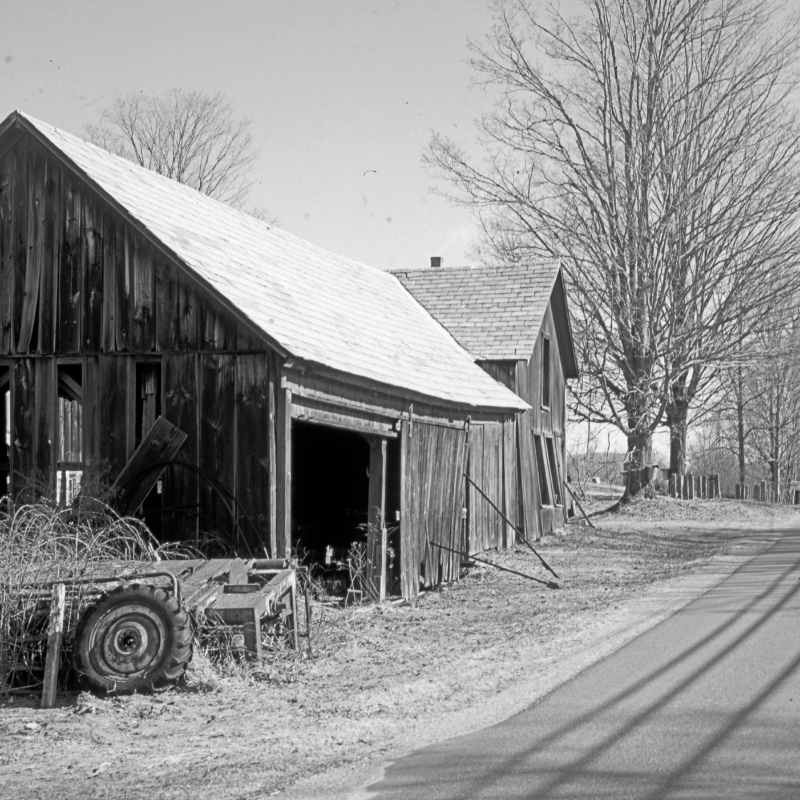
(704, 705)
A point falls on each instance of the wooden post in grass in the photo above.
(55, 635)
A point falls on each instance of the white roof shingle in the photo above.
(320, 307)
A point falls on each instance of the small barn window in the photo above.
(544, 483)
(148, 397)
(69, 471)
(553, 464)
(545, 372)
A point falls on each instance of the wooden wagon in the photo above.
(139, 634)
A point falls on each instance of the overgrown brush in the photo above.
(42, 543)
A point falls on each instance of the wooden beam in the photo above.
(312, 412)
(55, 635)
(284, 474)
(376, 521)
(72, 387)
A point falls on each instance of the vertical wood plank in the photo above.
(273, 383)
(34, 250)
(181, 484)
(376, 520)
(108, 343)
(187, 308)
(113, 380)
(55, 636)
(6, 250)
(253, 465)
(143, 299)
(509, 481)
(93, 252)
(409, 563)
(70, 280)
(167, 305)
(19, 238)
(48, 279)
(529, 486)
(124, 271)
(284, 471)
(216, 451)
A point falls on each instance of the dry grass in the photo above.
(383, 678)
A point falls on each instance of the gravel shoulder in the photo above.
(384, 680)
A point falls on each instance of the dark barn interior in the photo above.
(330, 496)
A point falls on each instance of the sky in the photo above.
(342, 94)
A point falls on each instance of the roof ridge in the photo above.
(320, 307)
(148, 174)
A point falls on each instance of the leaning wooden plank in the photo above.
(55, 634)
(134, 482)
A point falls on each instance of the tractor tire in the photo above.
(135, 639)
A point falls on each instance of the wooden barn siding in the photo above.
(433, 460)
(76, 278)
(524, 378)
(77, 281)
(538, 421)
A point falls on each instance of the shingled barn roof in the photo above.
(316, 306)
(495, 312)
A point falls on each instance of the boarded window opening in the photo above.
(551, 459)
(148, 397)
(544, 484)
(545, 372)
(148, 410)
(69, 470)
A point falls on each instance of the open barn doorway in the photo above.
(331, 494)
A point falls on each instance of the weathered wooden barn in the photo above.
(515, 321)
(318, 398)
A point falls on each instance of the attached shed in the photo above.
(319, 400)
(515, 321)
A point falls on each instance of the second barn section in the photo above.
(243, 389)
(514, 320)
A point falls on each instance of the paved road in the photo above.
(704, 705)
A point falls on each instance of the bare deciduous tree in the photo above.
(191, 137)
(650, 147)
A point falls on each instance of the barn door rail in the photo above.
(509, 522)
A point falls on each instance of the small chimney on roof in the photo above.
(436, 261)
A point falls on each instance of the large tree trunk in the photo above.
(677, 415)
(639, 453)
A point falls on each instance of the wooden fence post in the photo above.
(704, 487)
(672, 492)
(55, 635)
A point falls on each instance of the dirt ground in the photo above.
(382, 680)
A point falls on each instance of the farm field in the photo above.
(379, 681)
